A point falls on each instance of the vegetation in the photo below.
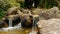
(5, 4)
(50, 3)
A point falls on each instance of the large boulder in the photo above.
(3, 23)
(51, 26)
(12, 10)
(50, 13)
(27, 21)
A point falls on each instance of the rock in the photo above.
(3, 23)
(12, 10)
(27, 21)
(51, 26)
(16, 19)
(20, 13)
(36, 11)
(25, 11)
(50, 13)
(45, 16)
(58, 1)
(54, 12)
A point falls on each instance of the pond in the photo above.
(15, 31)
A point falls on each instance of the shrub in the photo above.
(6, 4)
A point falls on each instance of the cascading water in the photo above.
(33, 26)
(10, 26)
(10, 22)
(33, 4)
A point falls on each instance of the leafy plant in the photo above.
(6, 4)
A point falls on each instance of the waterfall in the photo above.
(33, 26)
(10, 22)
(33, 4)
